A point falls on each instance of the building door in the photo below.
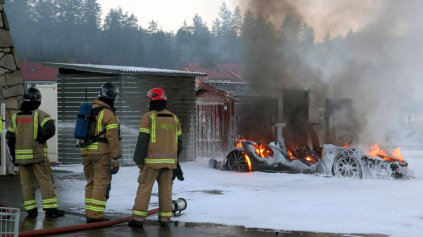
(209, 130)
(49, 105)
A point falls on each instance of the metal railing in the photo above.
(9, 222)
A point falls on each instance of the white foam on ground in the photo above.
(281, 201)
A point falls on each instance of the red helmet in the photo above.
(156, 94)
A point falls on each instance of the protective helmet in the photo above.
(156, 94)
(108, 91)
(32, 94)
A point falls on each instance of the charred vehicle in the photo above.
(329, 160)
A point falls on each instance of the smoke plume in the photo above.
(377, 65)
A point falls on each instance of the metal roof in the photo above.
(109, 69)
(235, 89)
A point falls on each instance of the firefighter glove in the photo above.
(177, 173)
(115, 167)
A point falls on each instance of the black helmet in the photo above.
(108, 91)
(32, 94)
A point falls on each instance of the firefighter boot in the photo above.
(54, 212)
(137, 222)
(164, 221)
(32, 213)
(92, 220)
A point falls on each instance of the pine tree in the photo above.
(217, 27)
(153, 27)
(237, 20)
(183, 44)
(226, 17)
(327, 37)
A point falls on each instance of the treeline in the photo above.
(73, 30)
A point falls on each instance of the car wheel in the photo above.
(347, 166)
(236, 161)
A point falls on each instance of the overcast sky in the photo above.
(323, 15)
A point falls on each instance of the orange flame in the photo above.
(247, 158)
(376, 151)
(396, 153)
(290, 155)
(250, 167)
(346, 146)
(308, 158)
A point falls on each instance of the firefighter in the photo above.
(27, 137)
(156, 155)
(100, 158)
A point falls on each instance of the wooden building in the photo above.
(228, 111)
(78, 83)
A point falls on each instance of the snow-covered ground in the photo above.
(280, 201)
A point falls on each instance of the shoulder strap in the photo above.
(94, 113)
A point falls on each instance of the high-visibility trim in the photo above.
(98, 202)
(15, 128)
(24, 157)
(45, 121)
(50, 206)
(100, 119)
(93, 146)
(10, 129)
(27, 208)
(35, 124)
(50, 200)
(24, 154)
(176, 128)
(139, 213)
(179, 133)
(160, 161)
(45, 151)
(165, 214)
(88, 200)
(112, 126)
(145, 130)
(97, 209)
(28, 151)
(153, 128)
(30, 202)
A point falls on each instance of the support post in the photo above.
(3, 164)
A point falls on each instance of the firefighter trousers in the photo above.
(146, 180)
(97, 173)
(43, 173)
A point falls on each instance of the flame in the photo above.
(396, 153)
(250, 167)
(290, 155)
(376, 151)
(247, 158)
(346, 146)
(308, 158)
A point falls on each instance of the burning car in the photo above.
(330, 160)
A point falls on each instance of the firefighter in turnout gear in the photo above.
(156, 155)
(27, 138)
(100, 158)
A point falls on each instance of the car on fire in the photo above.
(330, 160)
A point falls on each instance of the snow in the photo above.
(280, 201)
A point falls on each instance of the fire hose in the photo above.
(178, 205)
(66, 229)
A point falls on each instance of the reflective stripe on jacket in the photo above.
(26, 129)
(105, 120)
(164, 129)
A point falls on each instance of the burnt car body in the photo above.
(329, 160)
